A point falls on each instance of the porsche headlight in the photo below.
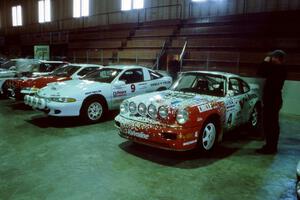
(63, 99)
(124, 107)
(152, 111)
(163, 112)
(182, 116)
(142, 109)
(132, 107)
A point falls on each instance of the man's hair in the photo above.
(278, 54)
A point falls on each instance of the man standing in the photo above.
(174, 67)
(274, 72)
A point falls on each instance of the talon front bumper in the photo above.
(53, 108)
(29, 92)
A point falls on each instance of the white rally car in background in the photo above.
(98, 92)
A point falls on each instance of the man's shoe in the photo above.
(266, 150)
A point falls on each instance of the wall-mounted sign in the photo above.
(42, 52)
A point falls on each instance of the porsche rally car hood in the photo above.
(174, 99)
(72, 88)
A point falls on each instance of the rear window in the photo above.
(68, 70)
(154, 75)
(86, 70)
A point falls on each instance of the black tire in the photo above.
(161, 89)
(93, 110)
(254, 123)
(298, 189)
(11, 92)
(208, 136)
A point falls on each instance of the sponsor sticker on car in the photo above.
(135, 134)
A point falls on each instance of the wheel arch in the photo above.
(215, 117)
(100, 96)
(162, 88)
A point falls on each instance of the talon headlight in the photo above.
(124, 107)
(132, 107)
(163, 112)
(182, 116)
(142, 109)
(33, 89)
(152, 111)
(63, 99)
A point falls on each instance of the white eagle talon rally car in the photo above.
(195, 112)
(99, 91)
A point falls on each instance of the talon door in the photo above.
(134, 85)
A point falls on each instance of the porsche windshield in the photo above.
(106, 75)
(201, 83)
(67, 70)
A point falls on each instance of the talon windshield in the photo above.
(67, 70)
(105, 75)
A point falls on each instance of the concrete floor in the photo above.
(48, 158)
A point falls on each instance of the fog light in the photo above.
(152, 111)
(124, 107)
(163, 112)
(142, 109)
(182, 116)
(132, 107)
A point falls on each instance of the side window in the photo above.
(71, 71)
(132, 76)
(86, 70)
(246, 87)
(154, 75)
(43, 67)
(235, 86)
(35, 67)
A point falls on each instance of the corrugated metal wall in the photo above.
(62, 12)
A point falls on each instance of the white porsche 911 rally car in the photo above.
(194, 113)
(98, 92)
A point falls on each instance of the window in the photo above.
(236, 86)
(132, 76)
(67, 70)
(154, 75)
(138, 4)
(81, 8)
(87, 70)
(246, 87)
(17, 15)
(44, 11)
(199, 0)
(105, 75)
(132, 4)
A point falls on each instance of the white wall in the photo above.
(290, 95)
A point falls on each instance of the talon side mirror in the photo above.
(13, 68)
